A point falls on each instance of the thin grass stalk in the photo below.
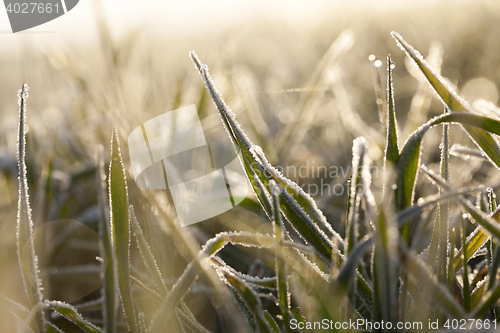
(444, 207)
(466, 287)
(28, 261)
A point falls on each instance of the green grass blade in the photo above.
(70, 313)
(379, 94)
(391, 148)
(444, 208)
(451, 99)
(385, 270)
(28, 261)
(108, 287)
(474, 243)
(271, 322)
(281, 267)
(465, 259)
(408, 160)
(250, 302)
(120, 227)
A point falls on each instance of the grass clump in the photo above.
(397, 257)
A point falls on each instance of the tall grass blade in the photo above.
(108, 287)
(297, 206)
(466, 290)
(385, 270)
(28, 261)
(443, 207)
(391, 148)
(120, 230)
(281, 267)
(451, 99)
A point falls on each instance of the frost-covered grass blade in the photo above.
(28, 262)
(451, 99)
(120, 229)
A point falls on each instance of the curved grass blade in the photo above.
(271, 322)
(28, 261)
(70, 313)
(108, 288)
(451, 99)
(409, 157)
(249, 302)
(474, 242)
(347, 272)
(120, 228)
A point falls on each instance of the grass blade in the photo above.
(271, 322)
(120, 228)
(249, 302)
(391, 148)
(281, 267)
(444, 208)
(298, 207)
(28, 261)
(108, 288)
(70, 313)
(466, 290)
(408, 160)
(451, 99)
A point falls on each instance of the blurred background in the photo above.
(297, 75)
